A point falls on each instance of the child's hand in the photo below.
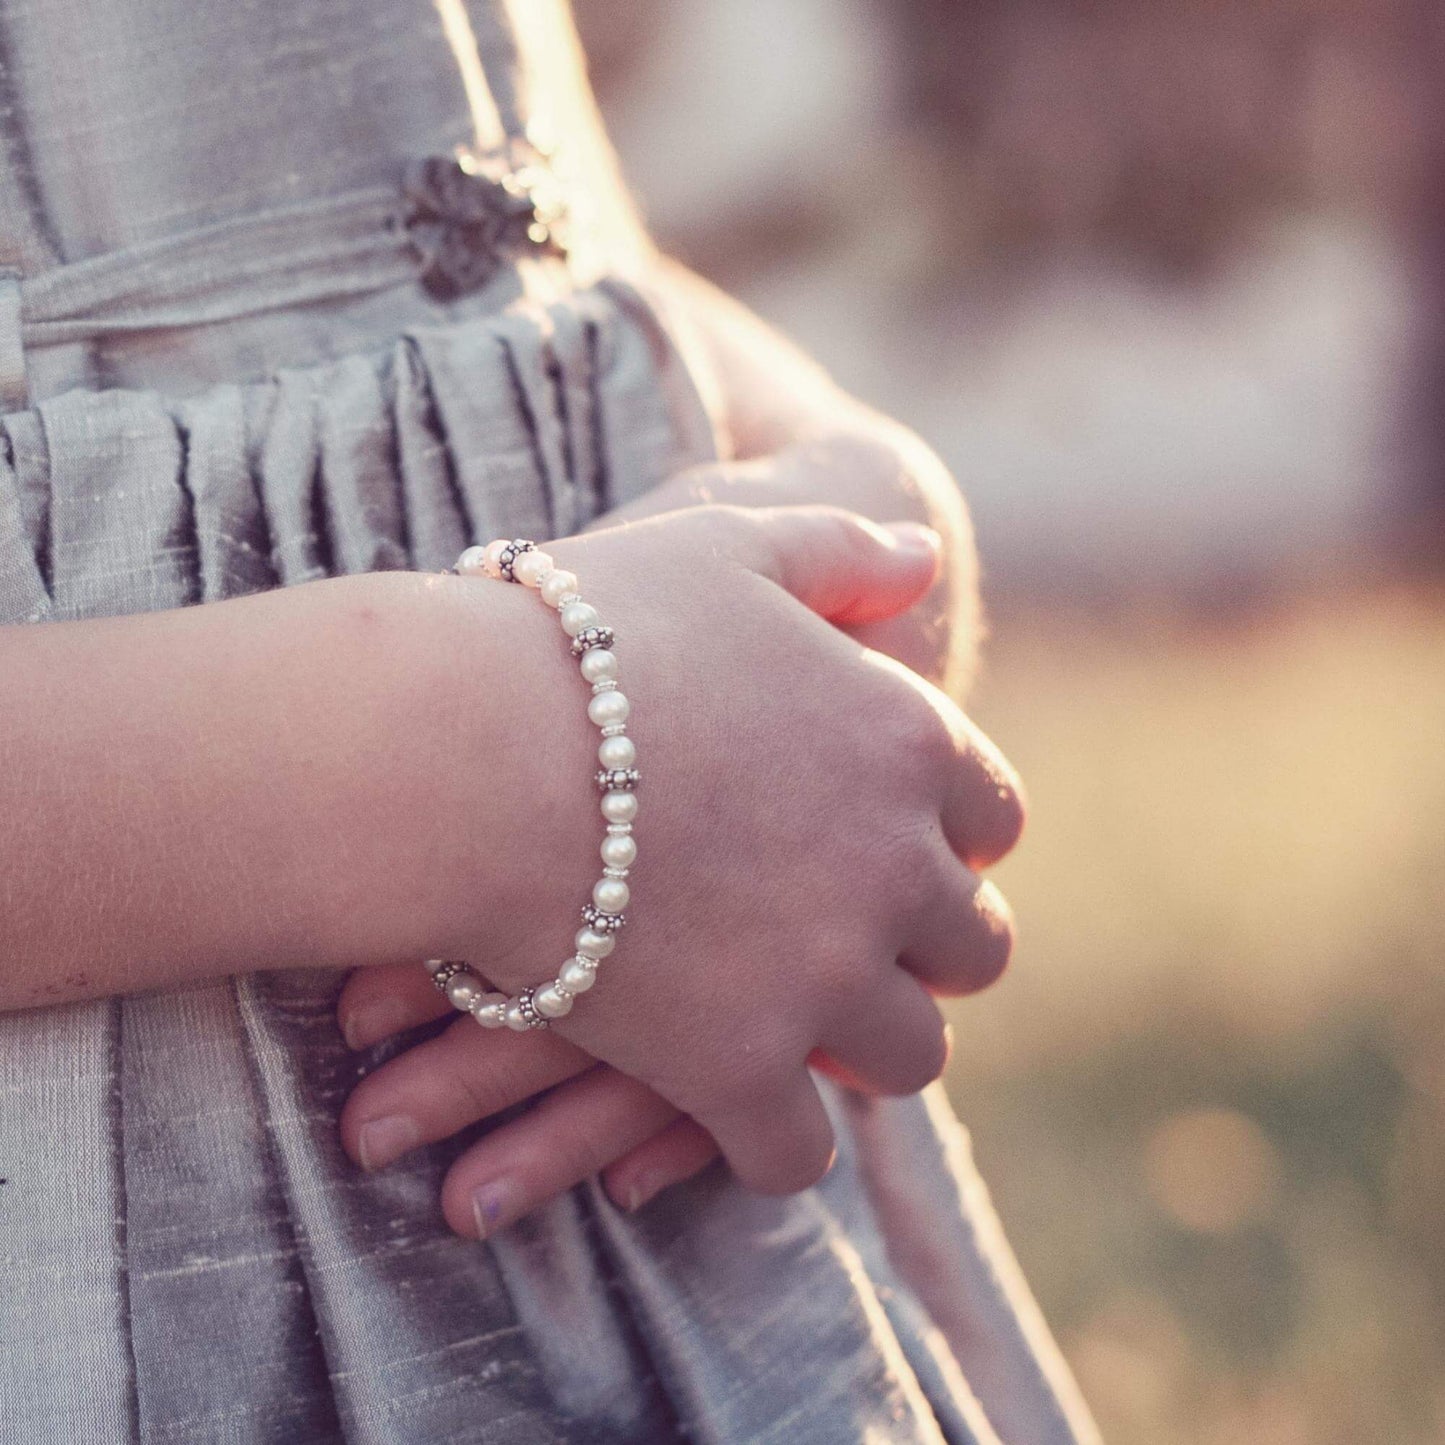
(808, 813)
(606, 1124)
(882, 471)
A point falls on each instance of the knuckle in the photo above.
(1010, 816)
(933, 1052)
(843, 533)
(926, 1059)
(868, 456)
(993, 942)
(923, 734)
(916, 887)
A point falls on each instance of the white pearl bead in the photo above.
(618, 752)
(619, 852)
(598, 665)
(551, 1002)
(611, 895)
(576, 617)
(592, 944)
(557, 585)
(531, 567)
(473, 562)
(578, 975)
(619, 807)
(463, 991)
(489, 1015)
(513, 1017)
(492, 556)
(609, 707)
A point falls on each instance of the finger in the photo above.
(378, 1002)
(898, 1045)
(441, 1086)
(738, 484)
(838, 564)
(679, 1152)
(569, 1136)
(961, 941)
(983, 809)
(779, 1139)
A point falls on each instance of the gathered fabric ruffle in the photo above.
(531, 421)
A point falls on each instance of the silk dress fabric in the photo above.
(185, 1253)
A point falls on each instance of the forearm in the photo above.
(221, 789)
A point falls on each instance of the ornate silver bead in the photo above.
(591, 637)
(446, 973)
(510, 553)
(594, 917)
(618, 780)
(527, 1007)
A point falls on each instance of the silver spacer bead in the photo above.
(569, 598)
(614, 730)
(528, 1009)
(510, 553)
(607, 684)
(446, 973)
(594, 917)
(591, 637)
(615, 872)
(619, 830)
(618, 780)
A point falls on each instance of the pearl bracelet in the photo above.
(617, 779)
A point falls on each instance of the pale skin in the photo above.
(607, 1120)
(349, 772)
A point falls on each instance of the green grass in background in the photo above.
(1210, 1095)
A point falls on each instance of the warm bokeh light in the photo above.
(1211, 1170)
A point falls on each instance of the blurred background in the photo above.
(1163, 283)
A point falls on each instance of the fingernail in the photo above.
(365, 1026)
(496, 1205)
(383, 1140)
(915, 537)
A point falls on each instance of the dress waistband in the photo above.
(451, 224)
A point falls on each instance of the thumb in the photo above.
(840, 565)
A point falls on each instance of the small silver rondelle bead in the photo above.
(618, 780)
(591, 637)
(527, 1007)
(446, 973)
(594, 917)
(510, 553)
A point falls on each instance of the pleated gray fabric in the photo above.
(185, 1253)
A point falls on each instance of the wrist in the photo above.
(469, 812)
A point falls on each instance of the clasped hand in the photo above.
(814, 818)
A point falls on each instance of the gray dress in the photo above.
(230, 359)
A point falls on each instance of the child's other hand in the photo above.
(812, 816)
